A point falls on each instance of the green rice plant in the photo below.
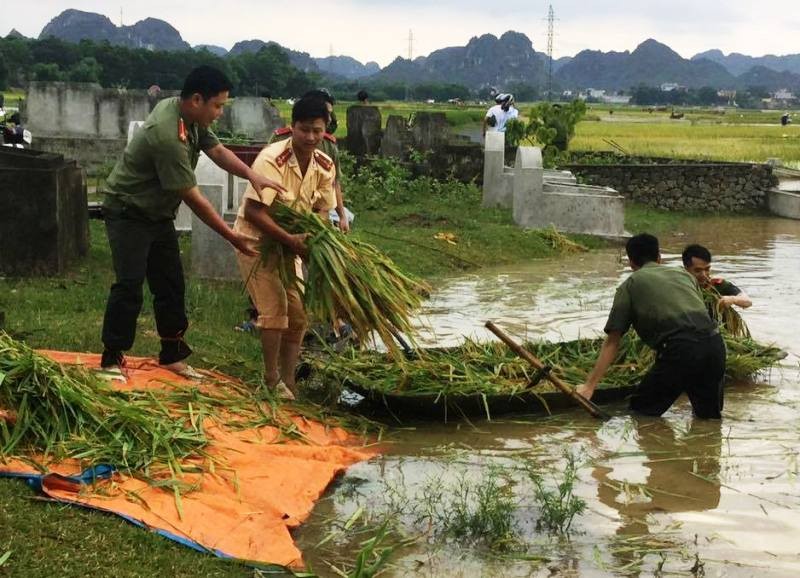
(373, 555)
(349, 280)
(70, 412)
(557, 502)
(483, 511)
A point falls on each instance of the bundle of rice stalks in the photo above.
(490, 368)
(349, 280)
(727, 317)
(70, 412)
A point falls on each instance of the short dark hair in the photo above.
(206, 81)
(362, 95)
(642, 248)
(695, 251)
(321, 93)
(309, 108)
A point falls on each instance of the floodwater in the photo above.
(665, 496)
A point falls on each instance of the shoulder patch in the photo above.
(330, 137)
(284, 130)
(284, 157)
(323, 160)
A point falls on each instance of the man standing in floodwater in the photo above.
(665, 307)
(697, 261)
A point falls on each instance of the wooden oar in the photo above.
(535, 362)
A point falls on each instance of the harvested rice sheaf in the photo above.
(490, 368)
(65, 411)
(349, 280)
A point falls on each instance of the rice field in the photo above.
(685, 139)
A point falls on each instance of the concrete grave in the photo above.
(44, 224)
(498, 180)
(398, 139)
(251, 116)
(570, 208)
(363, 130)
(212, 256)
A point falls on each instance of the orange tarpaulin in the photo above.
(262, 486)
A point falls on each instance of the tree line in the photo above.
(265, 72)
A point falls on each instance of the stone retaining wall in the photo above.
(691, 186)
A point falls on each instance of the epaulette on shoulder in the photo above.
(284, 157)
(283, 131)
(330, 137)
(323, 160)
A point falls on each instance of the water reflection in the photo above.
(681, 475)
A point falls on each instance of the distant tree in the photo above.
(47, 72)
(3, 72)
(551, 126)
(87, 70)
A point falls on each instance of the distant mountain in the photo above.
(346, 67)
(216, 50)
(652, 63)
(75, 25)
(16, 34)
(485, 61)
(738, 64)
(300, 60)
(761, 76)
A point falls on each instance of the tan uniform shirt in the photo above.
(314, 191)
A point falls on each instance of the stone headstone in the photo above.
(397, 139)
(430, 130)
(363, 130)
(498, 181)
(251, 116)
(212, 256)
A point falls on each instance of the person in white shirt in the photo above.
(497, 116)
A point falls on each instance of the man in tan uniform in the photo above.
(308, 176)
(327, 145)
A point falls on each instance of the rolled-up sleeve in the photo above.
(621, 316)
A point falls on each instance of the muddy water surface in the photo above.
(672, 495)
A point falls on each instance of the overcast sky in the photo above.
(378, 29)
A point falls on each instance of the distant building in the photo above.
(783, 94)
(670, 86)
(728, 95)
(616, 99)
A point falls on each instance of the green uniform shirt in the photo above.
(156, 165)
(725, 288)
(659, 302)
(328, 147)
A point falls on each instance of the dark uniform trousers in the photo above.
(689, 363)
(142, 250)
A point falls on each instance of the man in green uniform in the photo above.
(697, 261)
(329, 147)
(665, 307)
(148, 183)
